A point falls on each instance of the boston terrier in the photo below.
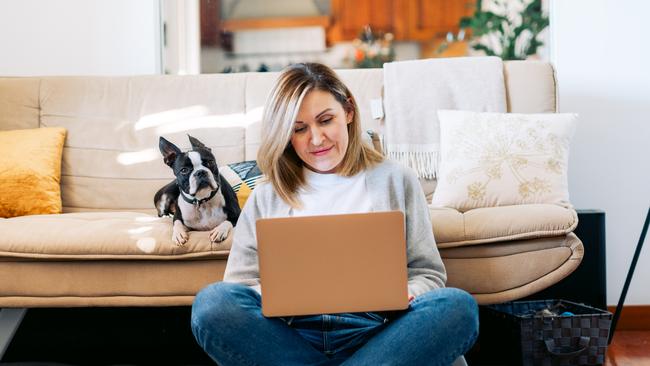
(200, 198)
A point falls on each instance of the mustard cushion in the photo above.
(30, 171)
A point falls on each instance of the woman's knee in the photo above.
(465, 305)
(219, 301)
(458, 306)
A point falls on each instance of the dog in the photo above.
(199, 199)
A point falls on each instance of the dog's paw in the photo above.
(179, 239)
(179, 234)
(221, 232)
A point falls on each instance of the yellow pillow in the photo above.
(30, 171)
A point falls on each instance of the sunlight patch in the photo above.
(171, 116)
(130, 158)
(146, 219)
(140, 230)
(147, 245)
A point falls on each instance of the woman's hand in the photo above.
(411, 297)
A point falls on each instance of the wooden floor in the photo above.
(161, 336)
(631, 347)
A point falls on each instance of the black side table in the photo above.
(587, 284)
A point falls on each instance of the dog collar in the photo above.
(192, 200)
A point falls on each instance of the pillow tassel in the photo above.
(425, 163)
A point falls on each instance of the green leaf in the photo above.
(480, 47)
(488, 22)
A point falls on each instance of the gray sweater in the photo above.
(391, 187)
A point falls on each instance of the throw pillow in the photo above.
(243, 178)
(30, 171)
(499, 159)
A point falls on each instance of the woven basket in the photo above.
(578, 339)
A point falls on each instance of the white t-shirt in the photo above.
(330, 194)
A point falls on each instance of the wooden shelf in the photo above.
(455, 49)
(288, 22)
(408, 20)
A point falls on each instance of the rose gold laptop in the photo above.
(332, 264)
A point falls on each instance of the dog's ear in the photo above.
(196, 144)
(169, 151)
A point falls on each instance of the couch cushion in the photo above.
(111, 153)
(493, 273)
(39, 283)
(99, 235)
(19, 106)
(487, 269)
(530, 86)
(258, 86)
(501, 272)
(453, 228)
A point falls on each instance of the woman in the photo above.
(316, 163)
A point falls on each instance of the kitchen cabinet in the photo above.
(350, 16)
(409, 20)
(433, 18)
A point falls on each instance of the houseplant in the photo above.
(505, 32)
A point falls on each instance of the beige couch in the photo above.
(108, 248)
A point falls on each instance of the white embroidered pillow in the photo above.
(499, 159)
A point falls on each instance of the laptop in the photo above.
(332, 264)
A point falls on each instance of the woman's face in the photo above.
(320, 133)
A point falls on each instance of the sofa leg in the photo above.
(9, 321)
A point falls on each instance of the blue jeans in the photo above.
(438, 327)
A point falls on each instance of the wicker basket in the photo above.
(579, 338)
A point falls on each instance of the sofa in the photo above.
(109, 248)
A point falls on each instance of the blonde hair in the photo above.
(276, 157)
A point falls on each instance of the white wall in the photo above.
(79, 37)
(182, 49)
(600, 49)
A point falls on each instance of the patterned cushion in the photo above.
(499, 159)
(243, 178)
